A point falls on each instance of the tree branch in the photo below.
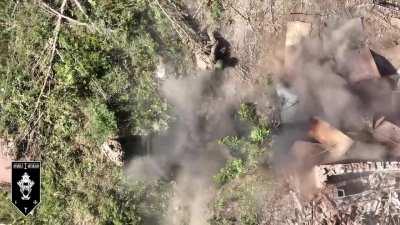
(61, 15)
(80, 8)
(50, 60)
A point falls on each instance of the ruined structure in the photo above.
(342, 188)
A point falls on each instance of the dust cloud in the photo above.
(322, 83)
(188, 153)
(203, 106)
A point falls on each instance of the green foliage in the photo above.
(102, 124)
(155, 202)
(232, 169)
(70, 197)
(249, 149)
(248, 112)
(249, 152)
(60, 109)
(259, 133)
(234, 143)
(239, 201)
(217, 9)
(259, 128)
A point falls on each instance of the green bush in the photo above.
(248, 112)
(248, 149)
(217, 9)
(101, 122)
(259, 133)
(232, 169)
(239, 202)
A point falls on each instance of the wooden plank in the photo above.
(336, 142)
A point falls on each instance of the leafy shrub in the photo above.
(239, 202)
(248, 149)
(259, 133)
(234, 144)
(248, 112)
(101, 122)
(217, 9)
(232, 169)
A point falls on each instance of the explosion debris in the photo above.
(388, 134)
(348, 163)
(333, 140)
(362, 66)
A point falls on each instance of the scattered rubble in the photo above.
(349, 191)
(392, 55)
(358, 62)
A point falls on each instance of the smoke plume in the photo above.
(188, 153)
(322, 81)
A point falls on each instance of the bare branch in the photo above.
(61, 15)
(80, 8)
(50, 60)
